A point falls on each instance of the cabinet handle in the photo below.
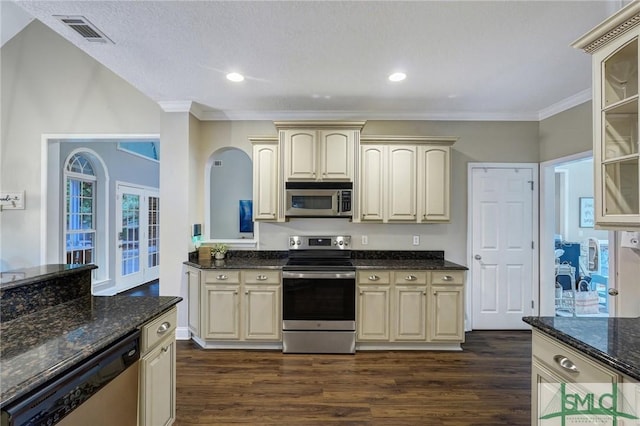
(410, 278)
(566, 363)
(373, 278)
(166, 348)
(164, 327)
(222, 277)
(261, 278)
(361, 293)
(246, 292)
(447, 278)
(235, 292)
(435, 293)
(424, 293)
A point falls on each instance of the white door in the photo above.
(503, 252)
(137, 236)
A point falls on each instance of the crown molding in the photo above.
(182, 106)
(565, 104)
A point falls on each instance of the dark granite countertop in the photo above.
(24, 276)
(614, 342)
(362, 259)
(36, 347)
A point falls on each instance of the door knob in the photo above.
(613, 292)
(477, 257)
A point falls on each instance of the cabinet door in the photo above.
(265, 181)
(193, 288)
(336, 155)
(372, 182)
(434, 184)
(446, 318)
(410, 302)
(373, 313)
(401, 183)
(300, 154)
(222, 311)
(616, 149)
(262, 312)
(158, 385)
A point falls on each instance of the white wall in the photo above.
(51, 87)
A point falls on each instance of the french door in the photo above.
(137, 235)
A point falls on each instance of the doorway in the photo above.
(503, 239)
(574, 256)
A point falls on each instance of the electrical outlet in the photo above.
(416, 240)
(365, 240)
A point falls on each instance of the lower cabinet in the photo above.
(410, 306)
(554, 363)
(158, 371)
(241, 305)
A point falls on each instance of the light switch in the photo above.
(365, 240)
(416, 240)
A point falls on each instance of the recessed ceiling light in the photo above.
(397, 76)
(234, 76)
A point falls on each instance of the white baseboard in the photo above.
(183, 333)
(366, 346)
(103, 288)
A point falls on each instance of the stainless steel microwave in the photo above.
(318, 199)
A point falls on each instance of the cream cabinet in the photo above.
(554, 363)
(374, 307)
(410, 306)
(446, 306)
(267, 188)
(319, 151)
(241, 305)
(193, 299)
(401, 306)
(616, 152)
(404, 179)
(157, 404)
(388, 183)
(434, 185)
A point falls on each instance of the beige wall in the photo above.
(49, 86)
(478, 142)
(566, 133)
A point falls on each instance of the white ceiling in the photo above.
(468, 60)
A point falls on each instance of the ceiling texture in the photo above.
(464, 60)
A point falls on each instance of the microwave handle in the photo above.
(338, 200)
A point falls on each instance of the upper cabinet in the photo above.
(319, 151)
(616, 154)
(267, 191)
(405, 179)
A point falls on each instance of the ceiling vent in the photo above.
(86, 29)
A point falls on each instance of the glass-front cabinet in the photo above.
(616, 153)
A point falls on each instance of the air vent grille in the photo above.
(86, 29)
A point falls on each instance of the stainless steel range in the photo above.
(319, 296)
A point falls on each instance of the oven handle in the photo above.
(319, 275)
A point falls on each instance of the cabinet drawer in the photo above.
(158, 329)
(374, 277)
(222, 277)
(410, 277)
(447, 277)
(260, 276)
(568, 363)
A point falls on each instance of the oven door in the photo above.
(319, 300)
(312, 202)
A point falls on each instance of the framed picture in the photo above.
(587, 217)
(246, 216)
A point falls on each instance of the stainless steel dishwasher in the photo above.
(101, 390)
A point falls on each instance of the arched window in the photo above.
(80, 210)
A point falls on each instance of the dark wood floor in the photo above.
(486, 384)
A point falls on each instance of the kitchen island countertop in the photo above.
(36, 347)
(615, 342)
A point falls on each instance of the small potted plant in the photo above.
(219, 250)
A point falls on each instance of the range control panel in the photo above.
(340, 242)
